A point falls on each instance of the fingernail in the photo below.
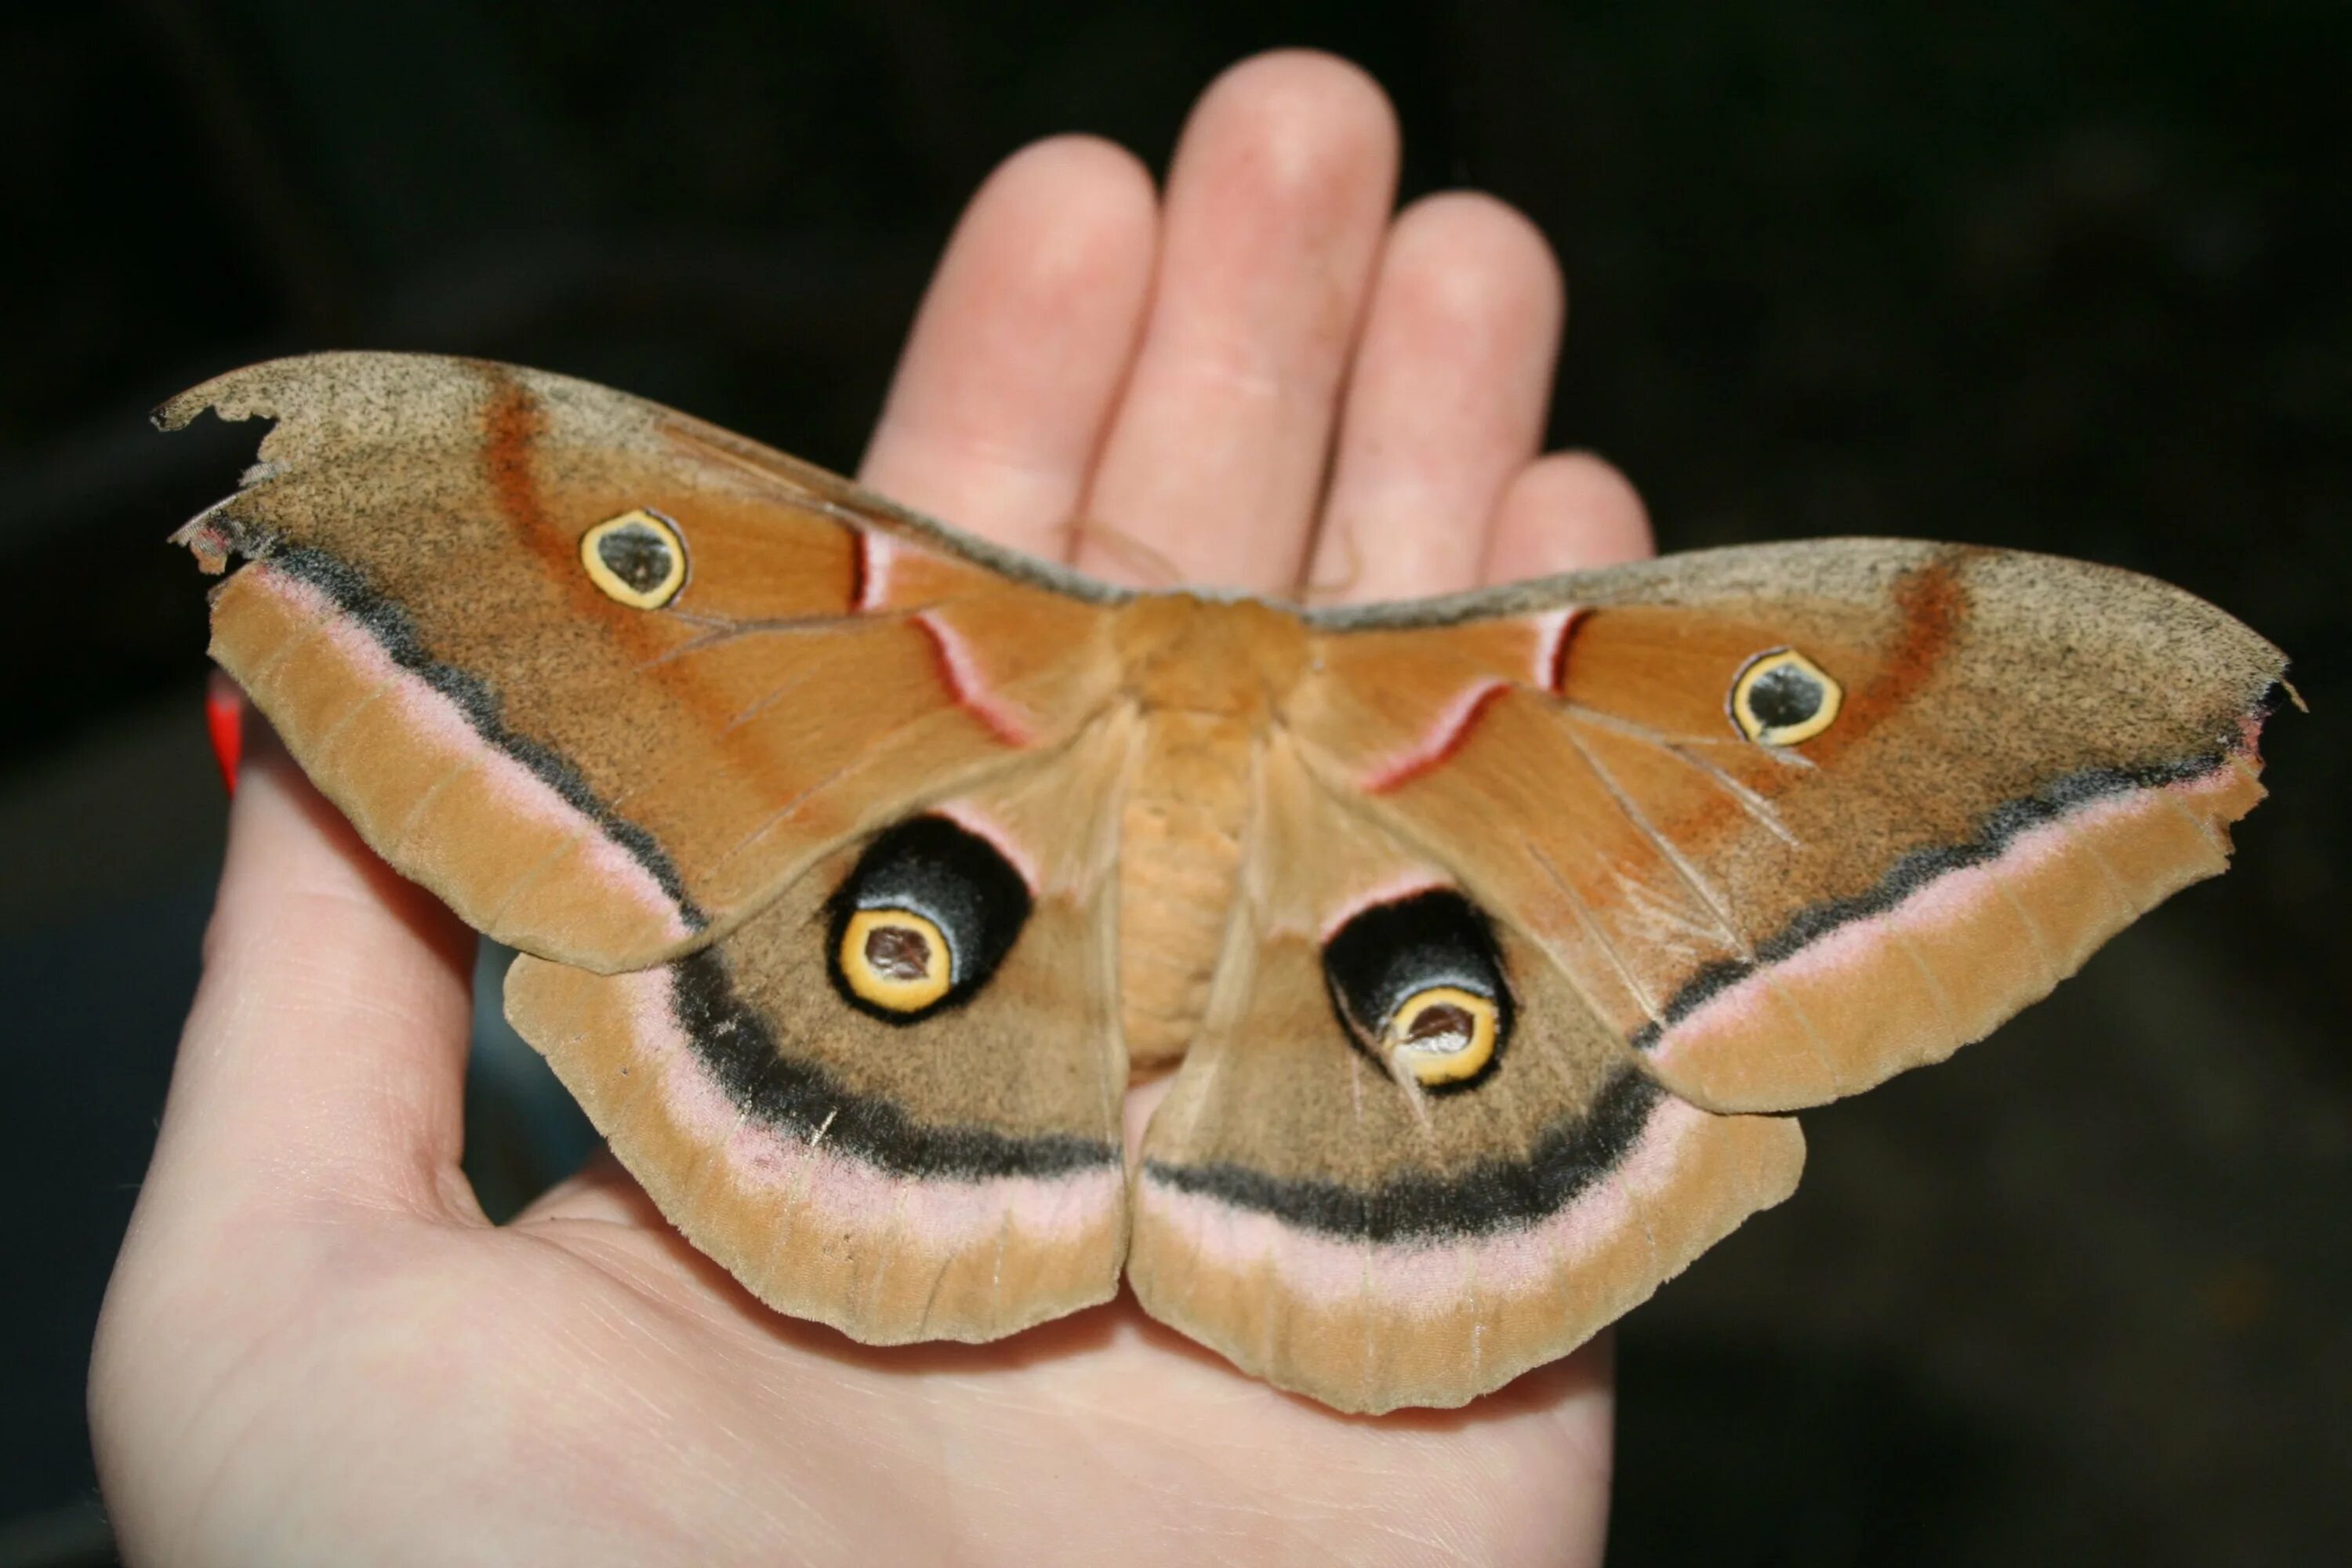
(225, 721)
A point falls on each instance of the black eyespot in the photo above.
(899, 951)
(1782, 698)
(1418, 986)
(923, 920)
(636, 558)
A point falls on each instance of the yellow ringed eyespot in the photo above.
(636, 558)
(896, 959)
(1442, 1034)
(1781, 698)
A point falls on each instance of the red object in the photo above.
(224, 719)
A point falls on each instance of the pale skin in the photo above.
(316, 1349)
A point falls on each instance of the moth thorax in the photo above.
(1180, 869)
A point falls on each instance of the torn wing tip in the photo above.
(218, 394)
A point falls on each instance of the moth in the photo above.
(857, 863)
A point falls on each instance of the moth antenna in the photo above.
(1319, 591)
(1150, 567)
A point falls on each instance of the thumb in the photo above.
(324, 1058)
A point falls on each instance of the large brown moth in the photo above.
(858, 862)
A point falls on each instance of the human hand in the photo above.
(317, 1350)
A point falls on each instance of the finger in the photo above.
(1020, 345)
(602, 1190)
(1276, 200)
(1446, 403)
(1573, 1402)
(325, 1055)
(1565, 512)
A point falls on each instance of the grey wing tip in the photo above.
(175, 413)
(271, 388)
(247, 393)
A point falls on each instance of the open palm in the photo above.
(317, 1350)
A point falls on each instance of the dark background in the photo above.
(2070, 277)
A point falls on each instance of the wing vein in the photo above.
(1757, 808)
(2097, 857)
(2205, 829)
(1935, 989)
(1585, 915)
(2041, 948)
(1700, 889)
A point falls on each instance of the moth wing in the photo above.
(2011, 757)
(1325, 1228)
(955, 1177)
(603, 770)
